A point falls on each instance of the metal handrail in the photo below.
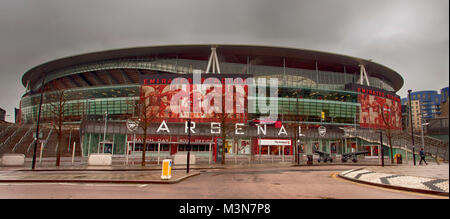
(434, 150)
(23, 137)
(6, 130)
(9, 138)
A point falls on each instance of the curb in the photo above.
(149, 169)
(100, 181)
(341, 164)
(446, 194)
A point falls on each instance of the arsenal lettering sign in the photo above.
(372, 91)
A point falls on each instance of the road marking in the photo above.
(334, 176)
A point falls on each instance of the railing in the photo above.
(23, 137)
(10, 137)
(46, 140)
(433, 147)
(6, 130)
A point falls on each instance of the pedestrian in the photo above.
(422, 157)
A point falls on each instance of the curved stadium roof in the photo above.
(267, 55)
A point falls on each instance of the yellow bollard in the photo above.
(166, 169)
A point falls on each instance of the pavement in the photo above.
(134, 177)
(431, 179)
(304, 182)
(119, 173)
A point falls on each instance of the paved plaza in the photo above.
(432, 170)
(204, 181)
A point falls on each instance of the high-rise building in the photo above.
(426, 105)
(417, 114)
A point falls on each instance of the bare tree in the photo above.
(388, 114)
(153, 102)
(220, 115)
(56, 107)
(225, 127)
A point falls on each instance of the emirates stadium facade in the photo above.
(319, 97)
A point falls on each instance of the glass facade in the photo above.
(91, 143)
(289, 76)
(294, 104)
(90, 103)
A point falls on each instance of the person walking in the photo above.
(422, 156)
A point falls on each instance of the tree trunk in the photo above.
(60, 133)
(223, 142)
(58, 150)
(390, 146)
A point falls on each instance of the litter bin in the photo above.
(309, 162)
(166, 169)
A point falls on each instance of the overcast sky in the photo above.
(408, 36)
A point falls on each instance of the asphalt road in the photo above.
(317, 182)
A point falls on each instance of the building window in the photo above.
(198, 148)
(151, 147)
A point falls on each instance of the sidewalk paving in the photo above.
(140, 177)
(432, 170)
(430, 178)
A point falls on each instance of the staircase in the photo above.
(7, 145)
(52, 144)
(30, 150)
(401, 139)
(24, 141)
(4, 127)
(6, 132)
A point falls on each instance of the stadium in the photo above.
(328, 102)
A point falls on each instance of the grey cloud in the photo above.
(409, 36)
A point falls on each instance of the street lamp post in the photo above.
(37, 126)
(189, 146)
(423, 140)
(132, 126)
(104, 134)
(299, 143)
(412, 128)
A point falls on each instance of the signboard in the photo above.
(132, 125)
(276, 142)
(372, 108)
(371, 100)
(322, 131)
(177, 102)
(174, 139)
(40, 134)
(363, 89)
